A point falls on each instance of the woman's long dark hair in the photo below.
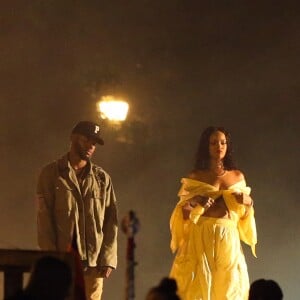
(202, 155)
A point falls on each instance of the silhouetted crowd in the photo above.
(51, 279)
(261, 289)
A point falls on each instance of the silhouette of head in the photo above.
(166, 290)
(263, 289)
(50, 279)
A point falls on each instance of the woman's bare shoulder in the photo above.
(236, 174)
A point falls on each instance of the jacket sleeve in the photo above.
(108, 253)
(45, 203)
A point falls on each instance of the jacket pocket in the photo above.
(63, 197)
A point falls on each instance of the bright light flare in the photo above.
(113, 109)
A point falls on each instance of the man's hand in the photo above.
(105, 271)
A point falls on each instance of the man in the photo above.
(77, 208)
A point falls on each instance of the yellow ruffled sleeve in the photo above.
(178, 226)
(243, 215)
(247, 230)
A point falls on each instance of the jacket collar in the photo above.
(64, 164)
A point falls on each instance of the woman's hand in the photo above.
(186, 210)
(205, 202)
(243, 198)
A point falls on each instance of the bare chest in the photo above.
(221, 183)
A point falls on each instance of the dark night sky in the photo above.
(182, 66)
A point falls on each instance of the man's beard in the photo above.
(81, 152)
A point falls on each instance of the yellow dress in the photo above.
(209, 262)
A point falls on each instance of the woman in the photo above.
(214, 212)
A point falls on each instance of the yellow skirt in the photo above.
(211, 265)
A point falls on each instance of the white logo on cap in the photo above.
(97, 128)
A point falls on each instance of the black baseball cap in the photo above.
(88, 129)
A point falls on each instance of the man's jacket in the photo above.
(90, 212)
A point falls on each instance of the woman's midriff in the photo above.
(218, 210)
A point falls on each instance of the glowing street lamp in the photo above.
(113, 109)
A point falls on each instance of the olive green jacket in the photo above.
(63, 208)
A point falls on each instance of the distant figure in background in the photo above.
(166, 290)
(214, 212)
(263, 289)
(50, 279)
(77, 208)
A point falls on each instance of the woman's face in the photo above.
(217, 145)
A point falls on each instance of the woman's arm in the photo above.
(205, 202)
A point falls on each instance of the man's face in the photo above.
(83, 146)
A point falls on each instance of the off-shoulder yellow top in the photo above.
(237, 212)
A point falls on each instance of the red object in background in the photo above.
(79, 286)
